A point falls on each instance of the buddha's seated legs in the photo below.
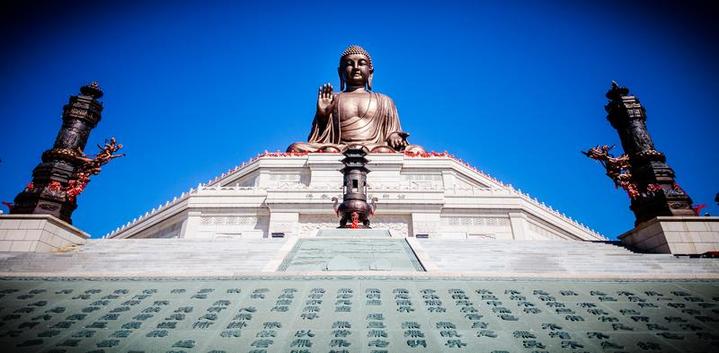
(309, 147)
(315, 147)
(387, 149)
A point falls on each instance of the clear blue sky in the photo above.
(514, 88)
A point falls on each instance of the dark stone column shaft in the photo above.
(659, 194)
(45, 194)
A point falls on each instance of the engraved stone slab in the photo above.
(357, 314)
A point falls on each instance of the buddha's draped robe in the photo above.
(370, 130)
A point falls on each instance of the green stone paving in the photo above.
(332, 314)
(351, 254)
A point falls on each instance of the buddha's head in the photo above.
(355, 68)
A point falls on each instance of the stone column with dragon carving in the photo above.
(642, 171)
(65, 169)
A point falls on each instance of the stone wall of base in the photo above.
(675, 235)
(37, 233)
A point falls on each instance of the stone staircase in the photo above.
(175, 257)
(555, 256)
(150, 256)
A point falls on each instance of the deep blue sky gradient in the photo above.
(515, 88)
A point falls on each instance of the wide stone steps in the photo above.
(150, 255)
(489, 257)
(554, 256)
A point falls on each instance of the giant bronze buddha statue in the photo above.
(356, 115)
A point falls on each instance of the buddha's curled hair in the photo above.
(356, 49)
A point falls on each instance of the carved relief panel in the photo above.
(488, 226)
(228, 225)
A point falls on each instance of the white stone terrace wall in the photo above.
(37, 233)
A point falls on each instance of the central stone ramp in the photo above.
(351, 254)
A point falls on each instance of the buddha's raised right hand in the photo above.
(325, 100)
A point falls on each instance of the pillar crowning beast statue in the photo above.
(354, 207)
(65, 169)
(642, 170)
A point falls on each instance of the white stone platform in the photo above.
(675, 235)
(436, 195)
(37, 233)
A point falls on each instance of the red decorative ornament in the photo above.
(54, 186)
(75, 187)
(427, 154)
(280, 154)
(630, 188)
(30, 186)
(698, 208)
(653, 187)
(355, 220)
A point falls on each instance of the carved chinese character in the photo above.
(230, 333)
(455, 344)
(119, 333)
(560, 334)
(341, 324)
(301, 342)
(108, 343)
(304, 333)
(523, 334)
(184, 344)
(377, 333)
(378, 343)
(341, 333)
(339, 342)
(533, 344)
(167, 324)
(413, 333)
(202, 324)
(236, 324)
(375, 324)
(263, 343)
(621, 327)
(449, 333)
(266, 333)
(417, 343)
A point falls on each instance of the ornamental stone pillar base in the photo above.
(690, 235)
(37, 233)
